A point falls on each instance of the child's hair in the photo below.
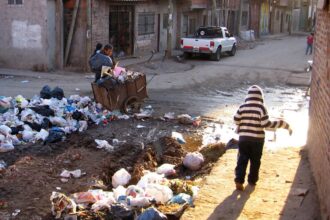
(98, 46)
(312, 34)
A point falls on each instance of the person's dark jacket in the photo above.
(97, 61)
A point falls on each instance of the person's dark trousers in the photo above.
(248, 151)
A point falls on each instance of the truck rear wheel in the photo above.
(187, 55)
(217, 55)
(233, 50)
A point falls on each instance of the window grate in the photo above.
(15, 2)
(146, 23)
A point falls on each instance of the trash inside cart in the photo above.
(123, 90)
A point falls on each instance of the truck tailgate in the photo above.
(195, 44)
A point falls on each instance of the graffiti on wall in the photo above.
(25, 36)
(264, 18)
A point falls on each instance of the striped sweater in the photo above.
(252, 118)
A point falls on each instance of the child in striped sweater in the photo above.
(251, 119)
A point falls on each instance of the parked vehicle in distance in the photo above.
(209, 40)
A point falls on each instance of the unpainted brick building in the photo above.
(319, 131)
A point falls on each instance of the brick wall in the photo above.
(319, 130)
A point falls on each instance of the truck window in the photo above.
(208, 33)
(227, 33)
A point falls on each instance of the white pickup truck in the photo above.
(209, 40)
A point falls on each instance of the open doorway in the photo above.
(121, 30)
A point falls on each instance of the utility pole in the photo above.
(215, 20)
(169, 29)
(240, 16)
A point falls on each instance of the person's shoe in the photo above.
(239, 186)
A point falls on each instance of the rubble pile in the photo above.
(48, 117)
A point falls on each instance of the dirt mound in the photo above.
(213, 152)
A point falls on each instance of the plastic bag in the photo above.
(45, 92)
(134, 191)
(55, 136)
(42, 135)
(75, 173)
(58, 121)
(4, 104)
(28, 136)
(151, 178)
(119, 193)
(152, 214)
(5, 130)
(104, 203)
(6, 146)
(83, 126)
(182, 198)
(120, 178)
(177, 136)
(57, 93)
(138, 202)
(21, 101)
(43, 110)
(193, 160)
(166, 169)
(160, 193)
(103, 144)
(85, 197)
(2, 165)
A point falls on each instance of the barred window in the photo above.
(15, 2)
(146, 23)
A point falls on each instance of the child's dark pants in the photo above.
(248, 150)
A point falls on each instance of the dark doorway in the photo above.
(121, 30)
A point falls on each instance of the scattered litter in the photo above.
(61, 204)
(75, 173)
(177, 136)
(193, 161)
(189, 120)
(3, 165)
(169, 115)
(58, 188)
(16, 212)
(166, 169)
(25, 81)
(162, 194)
(140, 126)
(103, 144)
(120, 178)
(152, 214)
(182, 198)
(77, 89)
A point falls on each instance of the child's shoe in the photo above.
(239, 186)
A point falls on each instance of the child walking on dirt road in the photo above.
(251, 119)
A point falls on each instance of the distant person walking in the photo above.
(310, 41)
(251, 120)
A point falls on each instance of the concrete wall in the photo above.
(100, 22)
(78, 56)
(318, 136)
(23, 38)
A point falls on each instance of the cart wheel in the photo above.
(132, 105)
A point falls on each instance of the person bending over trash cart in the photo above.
(251, 119)
(101, 59)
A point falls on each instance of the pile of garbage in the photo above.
(112, 77)
(153, 197)
(48, 117)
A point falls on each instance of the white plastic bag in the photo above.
(103, 144)
(5, 130)
(138, 202)
(149, 178)
(120, 178)
(6, 146)
(83, 126)
(119, 192)
(177, 136)
(42, 135)
(166, 169)
(134, 191)
(28, 136)
(58, 121)
(160, 193)
(193, 160)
